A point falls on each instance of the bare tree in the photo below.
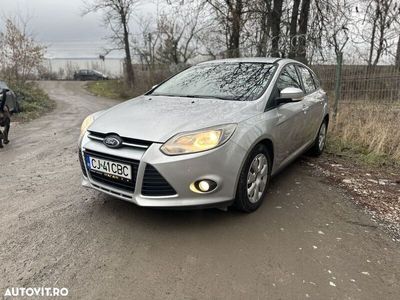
(146, 42)
(20, 54)
(264, 8)
(302, 34)
(276, 16)
(179, 31)
(334, 18)
(117, 14)
(379, 30)
(231, 15)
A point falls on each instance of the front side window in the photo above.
(308, 81)
(288, 78)
(242, 81)
(316, 81)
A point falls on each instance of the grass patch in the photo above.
(33, 101)
(113, 89)
(338, 147)
(368, 132)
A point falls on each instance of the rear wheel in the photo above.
(254, 179)
(320, 141)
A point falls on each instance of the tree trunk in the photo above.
(234, 39)
(303, 22)
(276, 17)
(397, 60)
(372, 42)
(293, 29)
(128, 59)
(264, 26)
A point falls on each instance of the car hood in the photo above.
(157, 118)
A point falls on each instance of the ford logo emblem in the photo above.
(112, 141)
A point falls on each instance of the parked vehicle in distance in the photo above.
(89, 75)
(12, 101)
(212, 135)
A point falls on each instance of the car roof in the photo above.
(266, 60)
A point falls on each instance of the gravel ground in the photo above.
(374, 189)
(308, 240)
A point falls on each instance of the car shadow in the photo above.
(174, 218)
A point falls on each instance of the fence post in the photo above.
(338, 79)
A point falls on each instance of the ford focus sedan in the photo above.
(210, 136)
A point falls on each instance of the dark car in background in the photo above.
(12, 101)
(89, 75)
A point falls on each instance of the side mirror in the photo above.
(290, 94)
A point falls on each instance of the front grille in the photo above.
(82, 163)
(110, 181)
(126, 142)
(154, 184)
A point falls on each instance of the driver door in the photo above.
(291, 117)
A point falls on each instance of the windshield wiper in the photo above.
(203, 96)
(194, 96)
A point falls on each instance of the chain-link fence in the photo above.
(379, 83)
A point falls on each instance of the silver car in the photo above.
(212, 135)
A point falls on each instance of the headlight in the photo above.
(86, 123)
(198, 141)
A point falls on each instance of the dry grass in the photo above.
(369, 129)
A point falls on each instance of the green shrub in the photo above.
(32, 99)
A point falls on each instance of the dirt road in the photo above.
(306, 241)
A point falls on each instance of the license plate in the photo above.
(110, 168)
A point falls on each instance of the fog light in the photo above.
(203, 186)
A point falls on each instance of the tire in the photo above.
(319, 145)
(17, 108)
(245, 200)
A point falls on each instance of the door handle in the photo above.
(305, 108)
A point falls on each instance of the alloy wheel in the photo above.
(257, 178)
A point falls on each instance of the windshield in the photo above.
(228, 81)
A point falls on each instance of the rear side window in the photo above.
(288, 78)
(308, 81)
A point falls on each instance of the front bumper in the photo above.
(221, 165)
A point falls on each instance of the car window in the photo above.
(3, 85)
(241, 81)
(316, 80)
(288, 78)
(308, 81)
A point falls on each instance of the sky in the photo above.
(59, 24)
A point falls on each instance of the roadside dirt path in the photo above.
(307, 241)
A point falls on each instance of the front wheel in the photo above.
(254, 179)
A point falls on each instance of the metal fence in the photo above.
(379, 83)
